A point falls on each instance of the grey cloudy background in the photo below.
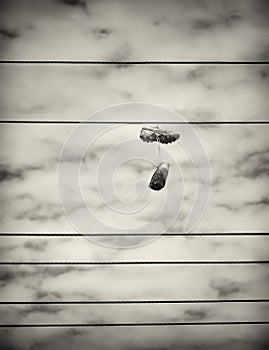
(81, 29)
(29, 154)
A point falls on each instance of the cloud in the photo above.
(197, 27)
(157, 339)
(80, 4)
(74, 2)
(224, 20)
(196, 315)
(6, 174)
(43, 294)
(9, 34)
(9, 276)
(38, 309)
(263, 201)
(37, 246)
(226, 287)
(254, 165)
(101, 33)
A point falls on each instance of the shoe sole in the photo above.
(158, 140)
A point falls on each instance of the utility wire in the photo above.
(143, 324)
(120, 122)
(115, 302)
(139, 262)
(169, 234)
(123, 63)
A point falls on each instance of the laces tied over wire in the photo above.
(158, 148)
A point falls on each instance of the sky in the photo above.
(115, 167)
(126, 29)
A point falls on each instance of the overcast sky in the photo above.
(152, 29)
(238, 158)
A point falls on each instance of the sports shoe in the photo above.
(158, 179)
(158, 135)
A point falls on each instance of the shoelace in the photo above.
(158, 148)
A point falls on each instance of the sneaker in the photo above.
(158, 179)
(158, 135)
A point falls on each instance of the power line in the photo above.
(115, 302)
(120, 122)
(120, 63)
(139, 262)
(143, 324)
(170, 234)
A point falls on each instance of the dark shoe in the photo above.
(158, 179)
(158, 135)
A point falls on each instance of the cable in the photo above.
(143, 324)
(120, 122)
(170, 234)
(139, 262)
(130, 62)
(115, 302)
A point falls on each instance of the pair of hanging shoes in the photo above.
(147, 134)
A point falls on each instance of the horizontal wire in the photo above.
(143, 324)
(138, 262)
(170, 234)
(114, 302)
(231, 62)
(119, 122)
